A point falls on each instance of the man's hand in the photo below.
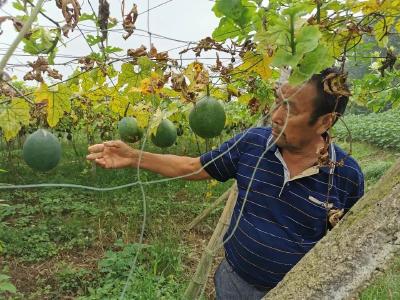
(117, 154)
(112, 155)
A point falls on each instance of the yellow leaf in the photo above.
(219, 94)
(233, 90)
(155, 121)
(167, 92)
(172, 109)
(197, 76)
(57, 99)
(379, 6)
(257, 63)
(13, 116)
(379, 30)
(213, 183)
(118, 104)
(245, 98)
(142, 114)
(397, 26)
(144, 86)
(150, 85)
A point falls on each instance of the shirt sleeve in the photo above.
(222, 163)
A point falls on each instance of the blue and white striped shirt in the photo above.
(283, 218)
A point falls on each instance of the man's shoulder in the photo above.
(351, 165)
(257, 135)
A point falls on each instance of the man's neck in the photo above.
(298, 160)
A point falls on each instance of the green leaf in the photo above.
(133, 74)
(298, 10)
(307, 39)
(313, 62)
(40, 41)
(93, 40)
(234, 9)
(13, 116)
(4, 277)
(285, 58)
(86, 17)
(276, 34)
(7, 287)
(332, 5)
(231, 8)
(110, 49)
(225, 30)
(18, 5)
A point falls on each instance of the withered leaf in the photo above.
(39, 67)
(153, 51)
(334, 216)
(218, 65)
(104, 13)
(88, 63)
(141, 51)
(54, 73)
(129, 21)
(71, 11)
(178, 82)
(335, 84)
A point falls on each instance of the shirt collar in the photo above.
(332, 154)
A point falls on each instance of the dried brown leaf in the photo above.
(88, 63)
(53, 73)
(129, 21)
(104, 14)
(39, 67)
(153, 51)
(178, 82)
(334, 216)
(71, 11)
(335, 84)
(141, 51)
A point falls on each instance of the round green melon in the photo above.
(165, 135)
(42, 150)
(207, 118)
(128, 129)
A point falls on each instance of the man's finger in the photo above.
(96, 148)
(94, 156)
(105, 163)
(116, 144)
(101, 162)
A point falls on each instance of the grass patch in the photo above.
(58, 243)
(385, 286)
(61, 243)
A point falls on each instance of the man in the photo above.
(289, 199)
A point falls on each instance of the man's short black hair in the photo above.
(325, 102)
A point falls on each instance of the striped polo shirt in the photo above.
(282, 217)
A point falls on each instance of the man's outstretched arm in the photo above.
(117, 154)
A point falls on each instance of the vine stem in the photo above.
(21, 34)
(292, 41)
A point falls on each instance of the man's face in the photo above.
(296, 104)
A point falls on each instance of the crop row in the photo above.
(381, 129)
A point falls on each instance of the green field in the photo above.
(59, 243)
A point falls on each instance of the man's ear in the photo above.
(325, 122)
